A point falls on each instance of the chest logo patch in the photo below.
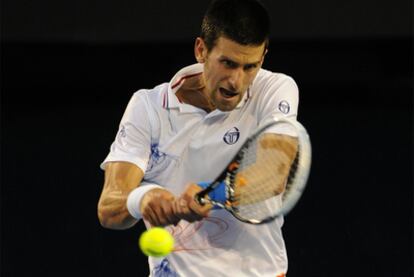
(232, 136)
(284, 107)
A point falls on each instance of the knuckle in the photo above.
(146, 211)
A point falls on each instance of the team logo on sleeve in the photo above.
(122, 131)
(232, 136)
(284, 107)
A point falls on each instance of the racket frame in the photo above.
(229, 173)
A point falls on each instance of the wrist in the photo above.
(135, 198)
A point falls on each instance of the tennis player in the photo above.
(186, 131)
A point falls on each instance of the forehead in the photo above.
(239, 53)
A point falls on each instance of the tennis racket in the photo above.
(267, 176)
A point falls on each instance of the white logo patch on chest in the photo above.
(232, 136)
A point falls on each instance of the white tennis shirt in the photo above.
(176, 144)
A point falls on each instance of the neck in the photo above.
(193, 92)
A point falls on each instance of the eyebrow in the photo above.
(227, 58)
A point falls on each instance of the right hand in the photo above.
(157, 208)
(187, 208)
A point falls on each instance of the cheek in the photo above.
(250, 77)
(215, 79)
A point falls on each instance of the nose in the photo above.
(236, 79)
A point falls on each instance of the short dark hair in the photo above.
(243, 21)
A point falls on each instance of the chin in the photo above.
(226, 108)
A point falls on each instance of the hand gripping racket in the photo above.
(267, 176)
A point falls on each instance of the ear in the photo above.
(200, 50)
(264, 55)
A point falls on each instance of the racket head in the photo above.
(268, 175)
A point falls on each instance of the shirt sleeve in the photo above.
(280, 98)
(133, 139)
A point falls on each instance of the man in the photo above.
(186, 131)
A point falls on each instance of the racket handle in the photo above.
(218, 194)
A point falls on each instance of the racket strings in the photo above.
(292, 174)
(263, 175)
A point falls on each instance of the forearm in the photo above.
(120, 179)
(113, 212)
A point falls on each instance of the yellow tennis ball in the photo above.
(156, 242)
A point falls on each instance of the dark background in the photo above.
(68, 69)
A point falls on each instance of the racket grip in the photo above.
(218, 194)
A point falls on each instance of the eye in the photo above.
(250, 67)
(229, 63)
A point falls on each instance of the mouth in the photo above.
(227, 93)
